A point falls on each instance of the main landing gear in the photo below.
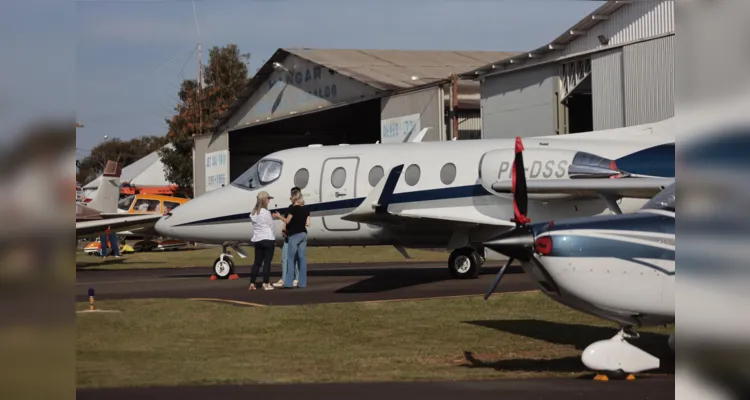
(464, 263)
(223, 267)
(616, 357)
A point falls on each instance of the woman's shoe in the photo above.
(252, 287)
(267, 286)
(295, 283)
(280, 283)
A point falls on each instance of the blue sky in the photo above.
(132, 56)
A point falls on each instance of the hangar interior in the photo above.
(614, 68)
(355, 124)
(301, 97)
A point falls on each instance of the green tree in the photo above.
(224, 77)
(124, 152)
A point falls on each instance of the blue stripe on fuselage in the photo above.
(636, 222)
(458, 192)
(580, 246)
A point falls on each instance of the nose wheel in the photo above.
(223, 267)
(465, 263)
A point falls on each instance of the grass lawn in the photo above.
(171, 342)
(206, 257)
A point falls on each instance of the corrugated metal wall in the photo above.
(635, 21)
(519, 103)
(607, 90)
(649, 81)
(202, 146)
(469, 124)
(428, 103)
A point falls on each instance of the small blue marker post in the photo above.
(91, 299)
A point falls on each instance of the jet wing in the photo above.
(96, 227)
(643, 188)
(375, 210)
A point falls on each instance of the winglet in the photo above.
(420, 135)
(379, 198)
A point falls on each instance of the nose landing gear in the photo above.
(223, 267)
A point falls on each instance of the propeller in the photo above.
(519, 241)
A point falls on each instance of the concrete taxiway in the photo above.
(327, 283)
(507, 389)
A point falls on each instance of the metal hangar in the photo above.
(614, 68)
(301, 97)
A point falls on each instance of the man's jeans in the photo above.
(115, 246)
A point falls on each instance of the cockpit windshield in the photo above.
(259, 175)
(125, 203)
(665, 200)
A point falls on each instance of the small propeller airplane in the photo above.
(100, 212)
(619, 267)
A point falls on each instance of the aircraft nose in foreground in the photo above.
(164, 226)
(169, 225)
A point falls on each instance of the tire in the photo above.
(223, 269)
(464, 263)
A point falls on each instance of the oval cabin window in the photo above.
(412, 175)
(376, 174)
(301, 178)
(448, 173)
(338, 177)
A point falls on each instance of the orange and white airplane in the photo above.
(141, 205)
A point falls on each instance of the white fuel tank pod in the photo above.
(616, 354)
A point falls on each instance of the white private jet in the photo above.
(437, 194)
(99, 213)
(618, 267)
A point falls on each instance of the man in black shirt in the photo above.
(297, 221)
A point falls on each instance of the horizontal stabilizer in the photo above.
(643, 188)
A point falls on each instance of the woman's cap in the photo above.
(264, 195)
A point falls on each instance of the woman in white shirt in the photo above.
(263, 239)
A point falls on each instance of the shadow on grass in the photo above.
(392, 279)
(576, 335)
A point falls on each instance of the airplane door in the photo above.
(338, 184)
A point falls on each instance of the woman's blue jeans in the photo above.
(296, 252)
(284, 258)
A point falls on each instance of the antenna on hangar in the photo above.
(200, 72)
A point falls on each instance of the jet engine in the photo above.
(540, 163)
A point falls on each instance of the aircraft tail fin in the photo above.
(106, 196)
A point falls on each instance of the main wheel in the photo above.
(223, 268)
(464, 263)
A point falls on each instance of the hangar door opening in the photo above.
(357, 123)
(576, 96)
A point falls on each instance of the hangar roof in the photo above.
(386, 70)
(600, 14)
(394, 69)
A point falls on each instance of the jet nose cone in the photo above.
(163, 226)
